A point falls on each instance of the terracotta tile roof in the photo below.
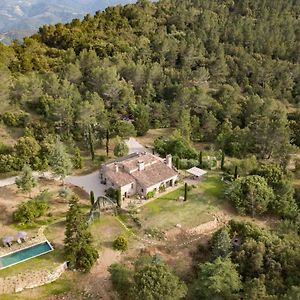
(119, 178)
(154, 174)
(132, 164)
(155, 170)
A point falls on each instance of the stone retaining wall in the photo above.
(204, 228)
(29, 280)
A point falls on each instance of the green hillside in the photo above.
(231, 67)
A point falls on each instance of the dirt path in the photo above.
(97, 282)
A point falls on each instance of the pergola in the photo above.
(196, 172)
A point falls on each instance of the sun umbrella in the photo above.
(7, 239)
(21, 234)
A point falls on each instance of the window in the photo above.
(132, 185)
(142, 190)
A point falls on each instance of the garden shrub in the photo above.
(64, 192)
(44, 195)
(120, 243)
(162, 188)
(150, 195)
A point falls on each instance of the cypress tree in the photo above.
(200, 159)
(91, 143)
(78, 241)
(92, 198)
(222, 160)
(107, 142)
(185, 191)
(77, 160)
(119, 197)
(236, 172)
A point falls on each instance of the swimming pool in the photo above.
(24, 254)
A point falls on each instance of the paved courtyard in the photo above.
(88, 183)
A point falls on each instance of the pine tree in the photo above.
(221, 244)
(26, 182)
(60, 161)
(78, 241)
(141, 119)
(184, 123)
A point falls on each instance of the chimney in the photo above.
(116, 167)
(169, 160)
(141, 165)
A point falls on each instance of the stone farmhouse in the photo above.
(138, 174)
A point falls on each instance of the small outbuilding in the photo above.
(197, 173)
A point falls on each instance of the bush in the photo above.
(5, 149)
(44, 195)
(120, 243)
(177, 146)
(14, 119)
(121, 149)
(9, 163)
(162, 188)
(209, 163)
(150, 195)
(29, 211)
(111, 193)
(185, 164)
(64, 192)
(121, 278)
(155, 233)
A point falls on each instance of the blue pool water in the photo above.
(24, 254)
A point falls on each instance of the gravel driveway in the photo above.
(90, 182)
(135, 146)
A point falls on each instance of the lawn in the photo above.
(203, 200)
(106, 229)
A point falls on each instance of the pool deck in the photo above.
(22, 260)
(30, 241)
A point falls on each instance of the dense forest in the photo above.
(225, 73)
